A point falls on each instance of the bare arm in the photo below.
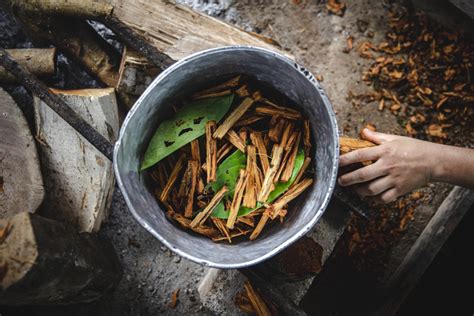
(403, 164)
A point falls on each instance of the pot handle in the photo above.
(348, 144)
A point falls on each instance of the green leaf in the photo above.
(280, 188)
(229, 178)
(236, 158)
(188, 124)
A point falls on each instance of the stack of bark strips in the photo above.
(79, 180)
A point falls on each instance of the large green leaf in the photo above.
(228, 178)
(188, 124)
(280, 188)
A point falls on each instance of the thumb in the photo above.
(376, 137)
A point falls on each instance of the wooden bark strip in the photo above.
(243, 134)
(212, 95)
(237, 200)
(270, 174)
(233, 118)
(186, 223)
(257, 302)
(235, 140)
(219, 223)
(178, 31)
(76, 8)
(347, 144)
(223, 151)
(194, 165)
(289, 196)
(248, 119)
(283, 112)
(172, 178)
(21, 183)
(211, 152)
(250, 197)
(257, 141)
(232, 83)
(79, 179)
(260, 225)
(290, 164)
(185, 183)
(50, 263)
(242, 91)
(285, 136)
(39, 61)
(277, 129)
(204, 214)
(307, 138)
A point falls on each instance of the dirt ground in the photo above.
(317, 39)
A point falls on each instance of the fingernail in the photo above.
(339, 180)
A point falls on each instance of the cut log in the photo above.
(47, 262)
(78, 178)
(177, 30)
(135, 75)
(39, 61)
(80, 42)
(21, 184)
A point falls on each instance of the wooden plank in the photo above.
(177, 30)
(47, 262)
(21, 184)
(426, 247)
(79, 179)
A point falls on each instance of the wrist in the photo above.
(437, 163)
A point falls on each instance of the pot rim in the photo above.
(325, 201)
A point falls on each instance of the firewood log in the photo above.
(39, 61)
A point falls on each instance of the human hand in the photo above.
(402, 164)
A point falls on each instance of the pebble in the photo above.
(177, 259)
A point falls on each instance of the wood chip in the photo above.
(248, 119)
(172, 178)
(347, 144)
(243, 133)
(280, 111)
(232, 83)
(257, 141)
(270, 174)
(186, 223)
(204, 214)
(307, 138)
(174, 298)
(235, 140)
(257, 302)
(223, 151)
(289, 196)
(211, 152)
(261, 224)
(289, 165)
(242, 91)
(219, 223)
(233, 118)
(250, 197)
(285, 136)
(4, 232)
(193, 165)
(277, 129)
(237, 200)
(247, 220)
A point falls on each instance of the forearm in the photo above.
(453, 165)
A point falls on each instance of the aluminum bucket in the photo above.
(190, 75)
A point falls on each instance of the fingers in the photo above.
(360, 155)
(387, 196)
(374, 187)
(376, 137)
(363, 174)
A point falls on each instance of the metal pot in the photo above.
(190, 75)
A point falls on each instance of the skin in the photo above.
(402, 164)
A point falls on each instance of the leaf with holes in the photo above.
(188, 124)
